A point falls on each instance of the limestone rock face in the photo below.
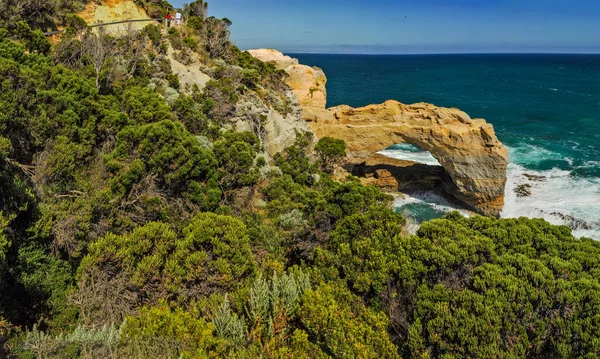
(469, 151)
(307, 82)
(279, 130)
(189, 75)
(269, 55)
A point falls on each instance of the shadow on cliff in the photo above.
(392, 175)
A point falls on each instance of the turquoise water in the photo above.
(545, 109)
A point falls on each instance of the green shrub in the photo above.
(75, 23)
(331, 151)
(236, 153)
(191, 43)
(153, 32)
(215, 253)
(365, 249)
(143, 105)
(35, 40)
(343, 326)
(171, 154)
(5, 146)
(295, 162)
(181, 333)
(173, 80)
(190, 112)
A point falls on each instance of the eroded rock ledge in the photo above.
(468, 149)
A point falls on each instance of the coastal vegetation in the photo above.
(136, 223)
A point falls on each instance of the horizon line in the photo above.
(435, 53)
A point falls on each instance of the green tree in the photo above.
(331, 151)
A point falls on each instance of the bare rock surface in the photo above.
(278, 130)
(269, 55)
(189, 75)
(307, 82)
(107, 11)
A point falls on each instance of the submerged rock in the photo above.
(573, 222)
(535, 178)
(523, 190)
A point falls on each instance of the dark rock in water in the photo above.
(523, 190)
(573, 222)
(535, 178)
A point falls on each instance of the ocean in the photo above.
(544, 108)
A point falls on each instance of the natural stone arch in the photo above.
(467, 149)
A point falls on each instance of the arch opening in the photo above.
(410, 152)
(403, 167)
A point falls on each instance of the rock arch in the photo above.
(468, 150)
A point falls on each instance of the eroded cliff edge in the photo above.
(473, 158)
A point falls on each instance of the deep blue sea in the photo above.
(544, 108)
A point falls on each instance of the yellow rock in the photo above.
(307, 82)
(112, 11)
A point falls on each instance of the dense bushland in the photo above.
(135, 225)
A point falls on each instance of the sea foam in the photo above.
(557, 195)
(410, 152)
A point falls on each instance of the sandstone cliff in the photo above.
(308, 83)
(106, 11)
(474, 160)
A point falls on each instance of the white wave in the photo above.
(436, 202)
(530, 155)
(567, 91)
(592, 164)
(557, 197)
(410, 153)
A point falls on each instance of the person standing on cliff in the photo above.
(169, 18)
(178, 18)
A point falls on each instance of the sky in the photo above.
(413, 26)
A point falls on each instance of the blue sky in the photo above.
(413, 26)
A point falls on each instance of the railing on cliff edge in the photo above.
(52, 33)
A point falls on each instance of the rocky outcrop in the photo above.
(189, 75)
(280, 60)
(308, 83)
(474, 160)
(467, 149)
(279, 130)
